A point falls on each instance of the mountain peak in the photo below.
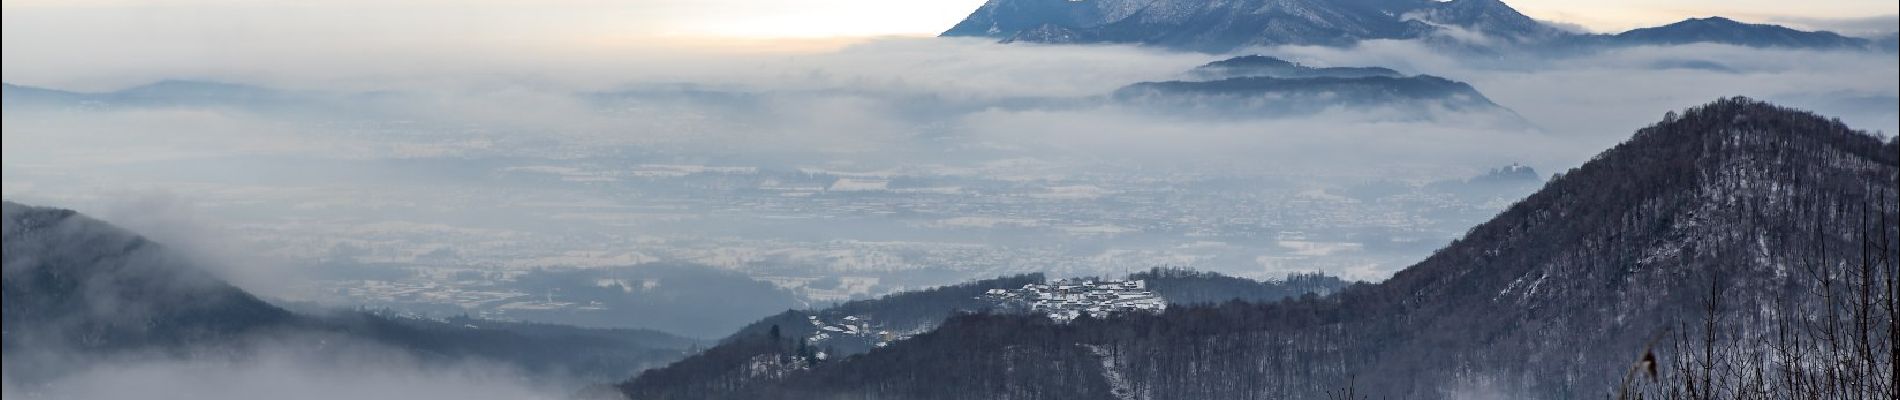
(1747, 116)
(1251, 60)
(1720, 22)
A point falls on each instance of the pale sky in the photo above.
(96, 44)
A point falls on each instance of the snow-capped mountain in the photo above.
(1226, 25)
(1221, 26)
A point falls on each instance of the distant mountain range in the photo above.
(1257, 86)
(1728, 31)
(1230, 25)
(79, 291)
(1245, 87)
(1730, 219)
(168, 93)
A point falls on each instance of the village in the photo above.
(1068, 299)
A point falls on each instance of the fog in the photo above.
(883, 97)
(290, 367)
(356, 147)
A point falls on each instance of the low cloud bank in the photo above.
(330, 369)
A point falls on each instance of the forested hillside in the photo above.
(779, 344)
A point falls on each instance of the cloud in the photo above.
(192, 240)
(1567, 26)
(1337, 143)
(289, 367)
(199, 238)
(1453, 33)
(890, 98)
(143, 135)
(383, 148)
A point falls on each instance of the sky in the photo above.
(107, 44)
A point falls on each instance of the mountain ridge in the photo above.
(1716, 29)
(1218, 27)
(1222, 26)
(1256, 86)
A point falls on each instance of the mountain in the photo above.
(77, 290)
(1265, 96)
(16, 96)
(1271, 67)
(1228, 25)
(79, 283)
(1223, 26)
(914, 312)
(905, 313)
(785, 342)
(161, 93)
(1727, 31)
(1262, 86)
(187, 93)
(181, 93)
(1722, 225)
